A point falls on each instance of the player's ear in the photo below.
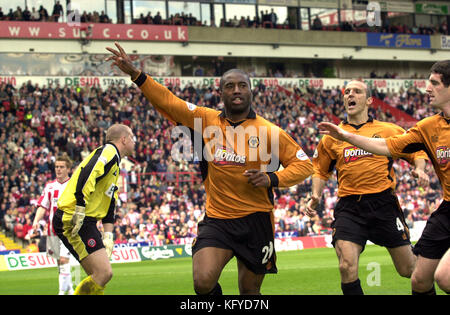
(369, 101)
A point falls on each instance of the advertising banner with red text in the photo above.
(183, 81)
(41, 260)
(302, 242)
(28, 261)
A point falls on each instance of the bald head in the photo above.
(363, 85)
(117, 131)
(122, 137)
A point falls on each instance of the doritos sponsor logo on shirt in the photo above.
(443, 155)
(228, 157)
(353, 153)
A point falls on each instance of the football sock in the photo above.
(432, 291)
(352, 288)
(88, 287)
(61, 285)
(65, 280)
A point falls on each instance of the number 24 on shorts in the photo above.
(267, 251)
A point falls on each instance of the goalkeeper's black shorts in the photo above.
(88, 240)
(250, 238)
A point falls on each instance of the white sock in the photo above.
(65, 279)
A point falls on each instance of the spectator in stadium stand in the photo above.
(433, 135)
(34, 14)
(317, 24)
(368, 207)
(43, 14)
(57, 11)
(243, 185)
(90, 196)
(104, 18)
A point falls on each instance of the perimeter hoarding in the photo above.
(313, 83)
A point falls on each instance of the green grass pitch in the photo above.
(305, 272)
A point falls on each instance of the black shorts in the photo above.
(375, 217)
(88, 240)
(435, 239)
(250, 238)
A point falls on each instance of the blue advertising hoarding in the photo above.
(398, 40)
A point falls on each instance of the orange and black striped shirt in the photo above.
(358, 171)
(432, 135)
(226, 149)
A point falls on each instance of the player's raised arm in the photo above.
(373, 145)
(165, 102)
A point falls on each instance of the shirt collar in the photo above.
(445, 118)
(117, 150)
(251, 114)
(370, 119)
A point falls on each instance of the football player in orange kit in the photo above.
(431, 134)
(368, 208)
(238, 176)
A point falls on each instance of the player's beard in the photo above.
(237, 109)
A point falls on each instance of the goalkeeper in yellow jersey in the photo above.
(90, 196)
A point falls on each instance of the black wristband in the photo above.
(140, 79)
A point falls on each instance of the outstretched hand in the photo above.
(422, 178)
(122, 61)
(327, 128)
(311, 206)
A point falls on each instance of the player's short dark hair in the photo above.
(234, 70)
(443, 68)
(64, 158)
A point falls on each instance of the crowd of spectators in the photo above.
(41, 14)
(159, 206)
(265, 19)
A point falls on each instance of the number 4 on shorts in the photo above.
(400, 225)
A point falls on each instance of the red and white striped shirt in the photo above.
(49, 199)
